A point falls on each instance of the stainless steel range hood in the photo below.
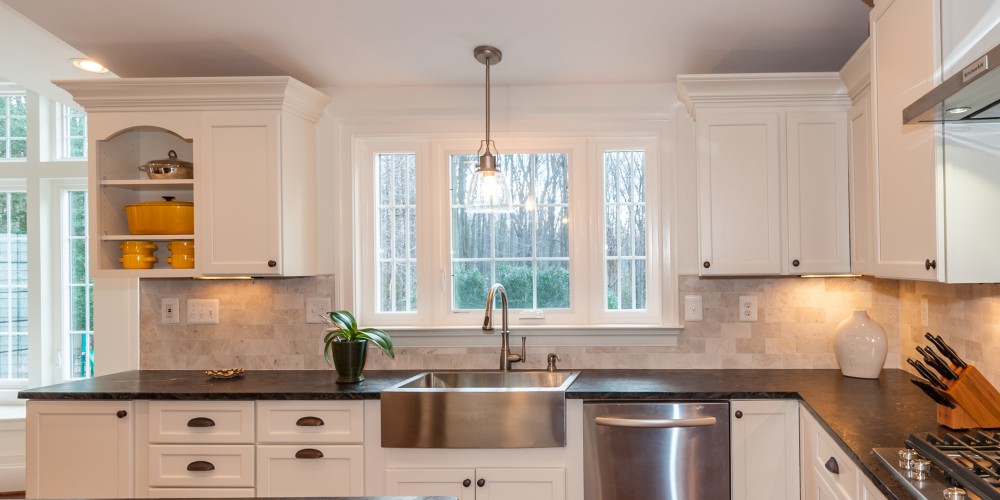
(971, 95)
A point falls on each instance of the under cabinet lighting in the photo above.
(223, 277)
(831, 275)
(959, 110)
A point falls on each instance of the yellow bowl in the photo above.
(139, 247)
(137, 261)
(161, 217)
(181, 247)
(181, 261)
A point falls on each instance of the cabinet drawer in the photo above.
(846, 481)
(201, 422)
(200, 493)
(310, 422)
(307, 471)
(201, 466)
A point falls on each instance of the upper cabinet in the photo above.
(772, 161)
(857, 76)
(252, 142)
(937, 187)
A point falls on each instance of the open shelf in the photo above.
(146, 237)
(150, 184)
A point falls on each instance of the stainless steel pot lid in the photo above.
(171, 162)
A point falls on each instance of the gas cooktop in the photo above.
(950, 466)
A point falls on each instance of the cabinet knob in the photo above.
(200, 466)
(706, 264)
(121, 414)
(309, 422)
(467, 483)
(271, 263)
(832, 466)
(795, 263)
(309, 453)
(930, 264)
(738, 414)
(201, 422)
(481, 482)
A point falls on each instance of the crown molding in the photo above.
(856, 72)
(774, 89)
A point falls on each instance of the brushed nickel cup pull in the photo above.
(308, 453)
(201, 422)
(309, 422)
(655, 423)
(200, 466)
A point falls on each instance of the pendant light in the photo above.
(488, 189)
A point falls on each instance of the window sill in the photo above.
(583, 336)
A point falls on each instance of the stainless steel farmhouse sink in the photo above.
(477, 409)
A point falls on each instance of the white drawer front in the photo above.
(846, 481)
(200, 493)
(308, 471)
(185, 466)
(199, 422)
(310, 421)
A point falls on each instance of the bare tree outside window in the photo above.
(396, 223)
(625, 229)
(13, 126)
(526, 250)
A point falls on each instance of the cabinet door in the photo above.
(738, 188)
(861, 181)
(765, 449)
(310, 471)
(818, 212)
(79, 449)
(237, 200)
(904, 63)
(519, 484)
(458, 483)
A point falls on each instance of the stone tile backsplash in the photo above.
(262, 326)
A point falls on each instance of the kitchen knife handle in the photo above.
(941, 364)
(951, 354)
(924, 372)
(655, 423)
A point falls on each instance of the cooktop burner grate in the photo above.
(972, 460)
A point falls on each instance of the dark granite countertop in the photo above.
(863, 413)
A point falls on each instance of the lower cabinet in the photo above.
(828, 473)
(479, 484)
(79, 449)
(765, 449)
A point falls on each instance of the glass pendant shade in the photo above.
(488, 189)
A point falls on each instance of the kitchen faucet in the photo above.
(506, 358)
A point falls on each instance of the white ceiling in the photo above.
(337, 43)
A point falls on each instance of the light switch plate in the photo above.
(203, 311)
(692, 308)
(317, 307)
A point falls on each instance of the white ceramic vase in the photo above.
(861, 346)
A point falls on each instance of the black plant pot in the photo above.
(349, 360)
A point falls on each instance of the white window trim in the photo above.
(60, 300)
(462, 328)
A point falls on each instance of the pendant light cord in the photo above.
(487, 103)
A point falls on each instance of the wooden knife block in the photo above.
(978, 402)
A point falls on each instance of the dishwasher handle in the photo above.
(655, 423)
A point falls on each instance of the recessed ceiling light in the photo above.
(89, 65)
(959, 110)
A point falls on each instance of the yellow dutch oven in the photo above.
(161, 217)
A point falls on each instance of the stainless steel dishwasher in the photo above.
(656, 451)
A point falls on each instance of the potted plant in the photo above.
(347, 345)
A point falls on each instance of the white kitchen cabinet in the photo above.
(827, 470)
(772, 159)
(79, 449)
(479, 484)
(310, 448)
(857, 76)
(765, 449)
(252, 142)
(904, 53)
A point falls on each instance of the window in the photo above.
(13, 286)
(78, 288)
(46, 332)
(72, 133)
(581, 250)
(13, 126)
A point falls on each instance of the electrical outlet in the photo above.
(748, 308)
(692, 308)
(203, 311)
(317, 307)
(170, 310)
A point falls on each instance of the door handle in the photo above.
(655, 423)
